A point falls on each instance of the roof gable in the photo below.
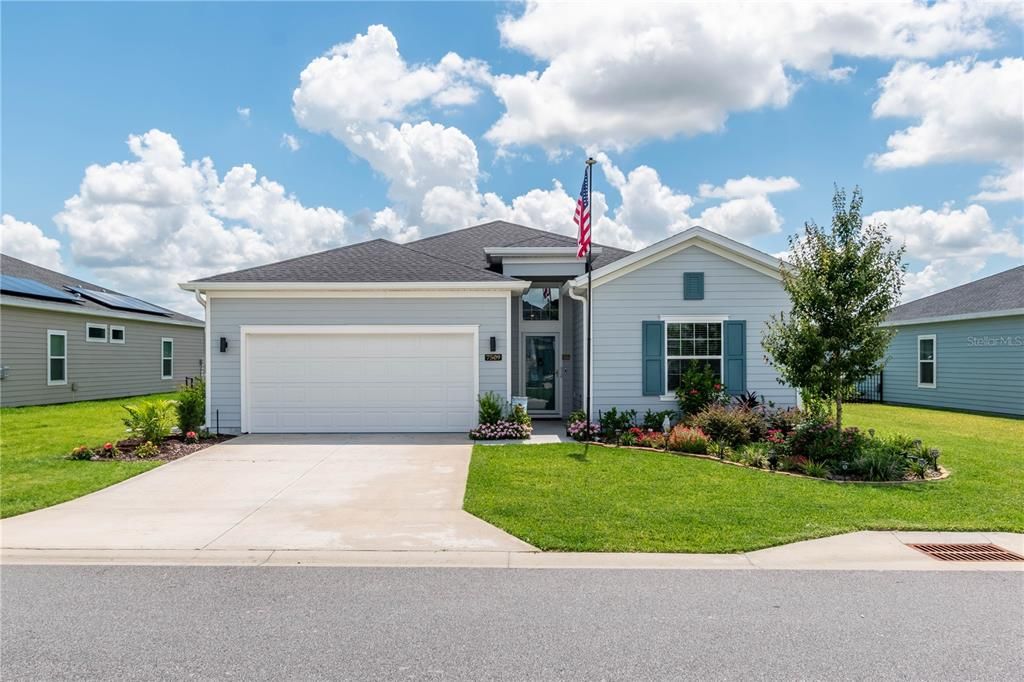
(692, 237)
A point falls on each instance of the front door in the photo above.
(541, 375)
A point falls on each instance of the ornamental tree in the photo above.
(842, 282)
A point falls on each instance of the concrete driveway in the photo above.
(280, 492)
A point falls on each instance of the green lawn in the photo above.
(572, 498)
(35, 440)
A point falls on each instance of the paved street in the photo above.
(149, 622)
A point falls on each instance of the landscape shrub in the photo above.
(752, 454)
(191, 406)
(699, 388)
(645, 438)
(629, 438)
(150, 420)
(783, 420)
(491, 408)
(613, 421)
(880, 461)
(521, 416)
(501, 430)
(653, 421)
(109, 450)
(683, 438)
(81, 452)
(577, 430)
(815, 469)
(748, 399)
(147, 449)
(726, 427)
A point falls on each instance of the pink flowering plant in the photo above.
(191, 437)
(699, 388)
(504, 429)
(577, 430)
(500, 420)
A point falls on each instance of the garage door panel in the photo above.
(366, 382)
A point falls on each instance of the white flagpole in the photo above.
(590, 289)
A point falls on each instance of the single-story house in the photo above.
(960, 349)
(380, 336)
(63, 339)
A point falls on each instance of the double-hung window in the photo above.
(926, 361)
(688, 344)
(56, 357)
(166, 358)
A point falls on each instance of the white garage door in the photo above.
(360, 382)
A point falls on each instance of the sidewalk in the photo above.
(860, 551)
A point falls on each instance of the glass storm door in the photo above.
(541, 370)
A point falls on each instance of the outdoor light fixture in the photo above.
(494, 344)
(223, 344)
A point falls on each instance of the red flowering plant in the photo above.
(645, 438)
(191, 437)
(109, 450)
(698, 388)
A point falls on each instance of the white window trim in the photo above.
(49, 357)
(162, 358)
(934, 361)
(96, 325)
(684, 319)
(110, 334)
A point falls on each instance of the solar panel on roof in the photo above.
(119, 301)
(19, 286)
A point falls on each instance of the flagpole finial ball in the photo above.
(591, 161)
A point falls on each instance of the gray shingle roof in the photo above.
(1002, 291)
(16, 267)
(452, 257)
(377, 260)
(467, 245)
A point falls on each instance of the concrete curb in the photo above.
(861, 551)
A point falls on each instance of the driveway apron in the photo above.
(281, 492)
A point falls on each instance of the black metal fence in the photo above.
(870, 390)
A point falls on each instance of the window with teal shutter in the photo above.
(693, 286)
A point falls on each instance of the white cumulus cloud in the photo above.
(291, 142)
(149, 222)
(748, 186)
(26, 241)
(655, 70)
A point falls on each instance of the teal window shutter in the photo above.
(735, 356)
(653, 357)
(693, 286)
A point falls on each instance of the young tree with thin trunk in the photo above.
(841, 283)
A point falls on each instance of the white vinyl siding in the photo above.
(95, 333)
(56, 357)
(926, 364)
(166, 358)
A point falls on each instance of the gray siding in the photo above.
(95, 370)
(227, 315)
(979, 366)
(621, 305)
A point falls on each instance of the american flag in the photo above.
(582, 218)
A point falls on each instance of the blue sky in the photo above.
(670, 104)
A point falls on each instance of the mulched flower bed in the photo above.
(173, 447)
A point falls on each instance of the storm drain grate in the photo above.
(974, 552)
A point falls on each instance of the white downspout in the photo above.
(583, 301)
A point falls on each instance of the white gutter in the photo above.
(586, 360)
(19, 302)
(1011, 312)
(509, 285)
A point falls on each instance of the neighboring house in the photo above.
(62, 340)
(380, 336)
(961, 349)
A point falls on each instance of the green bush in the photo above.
(191, 407)
(815, 469)
(81, 452)
(147, 449)
(492, 408)
(150, 420)
(880, 461)
(652, 420)
(577, 416)
(753, 455)
(699, 388)
(726, 427)
(521, 416)
(783, 420)
(612, 420)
